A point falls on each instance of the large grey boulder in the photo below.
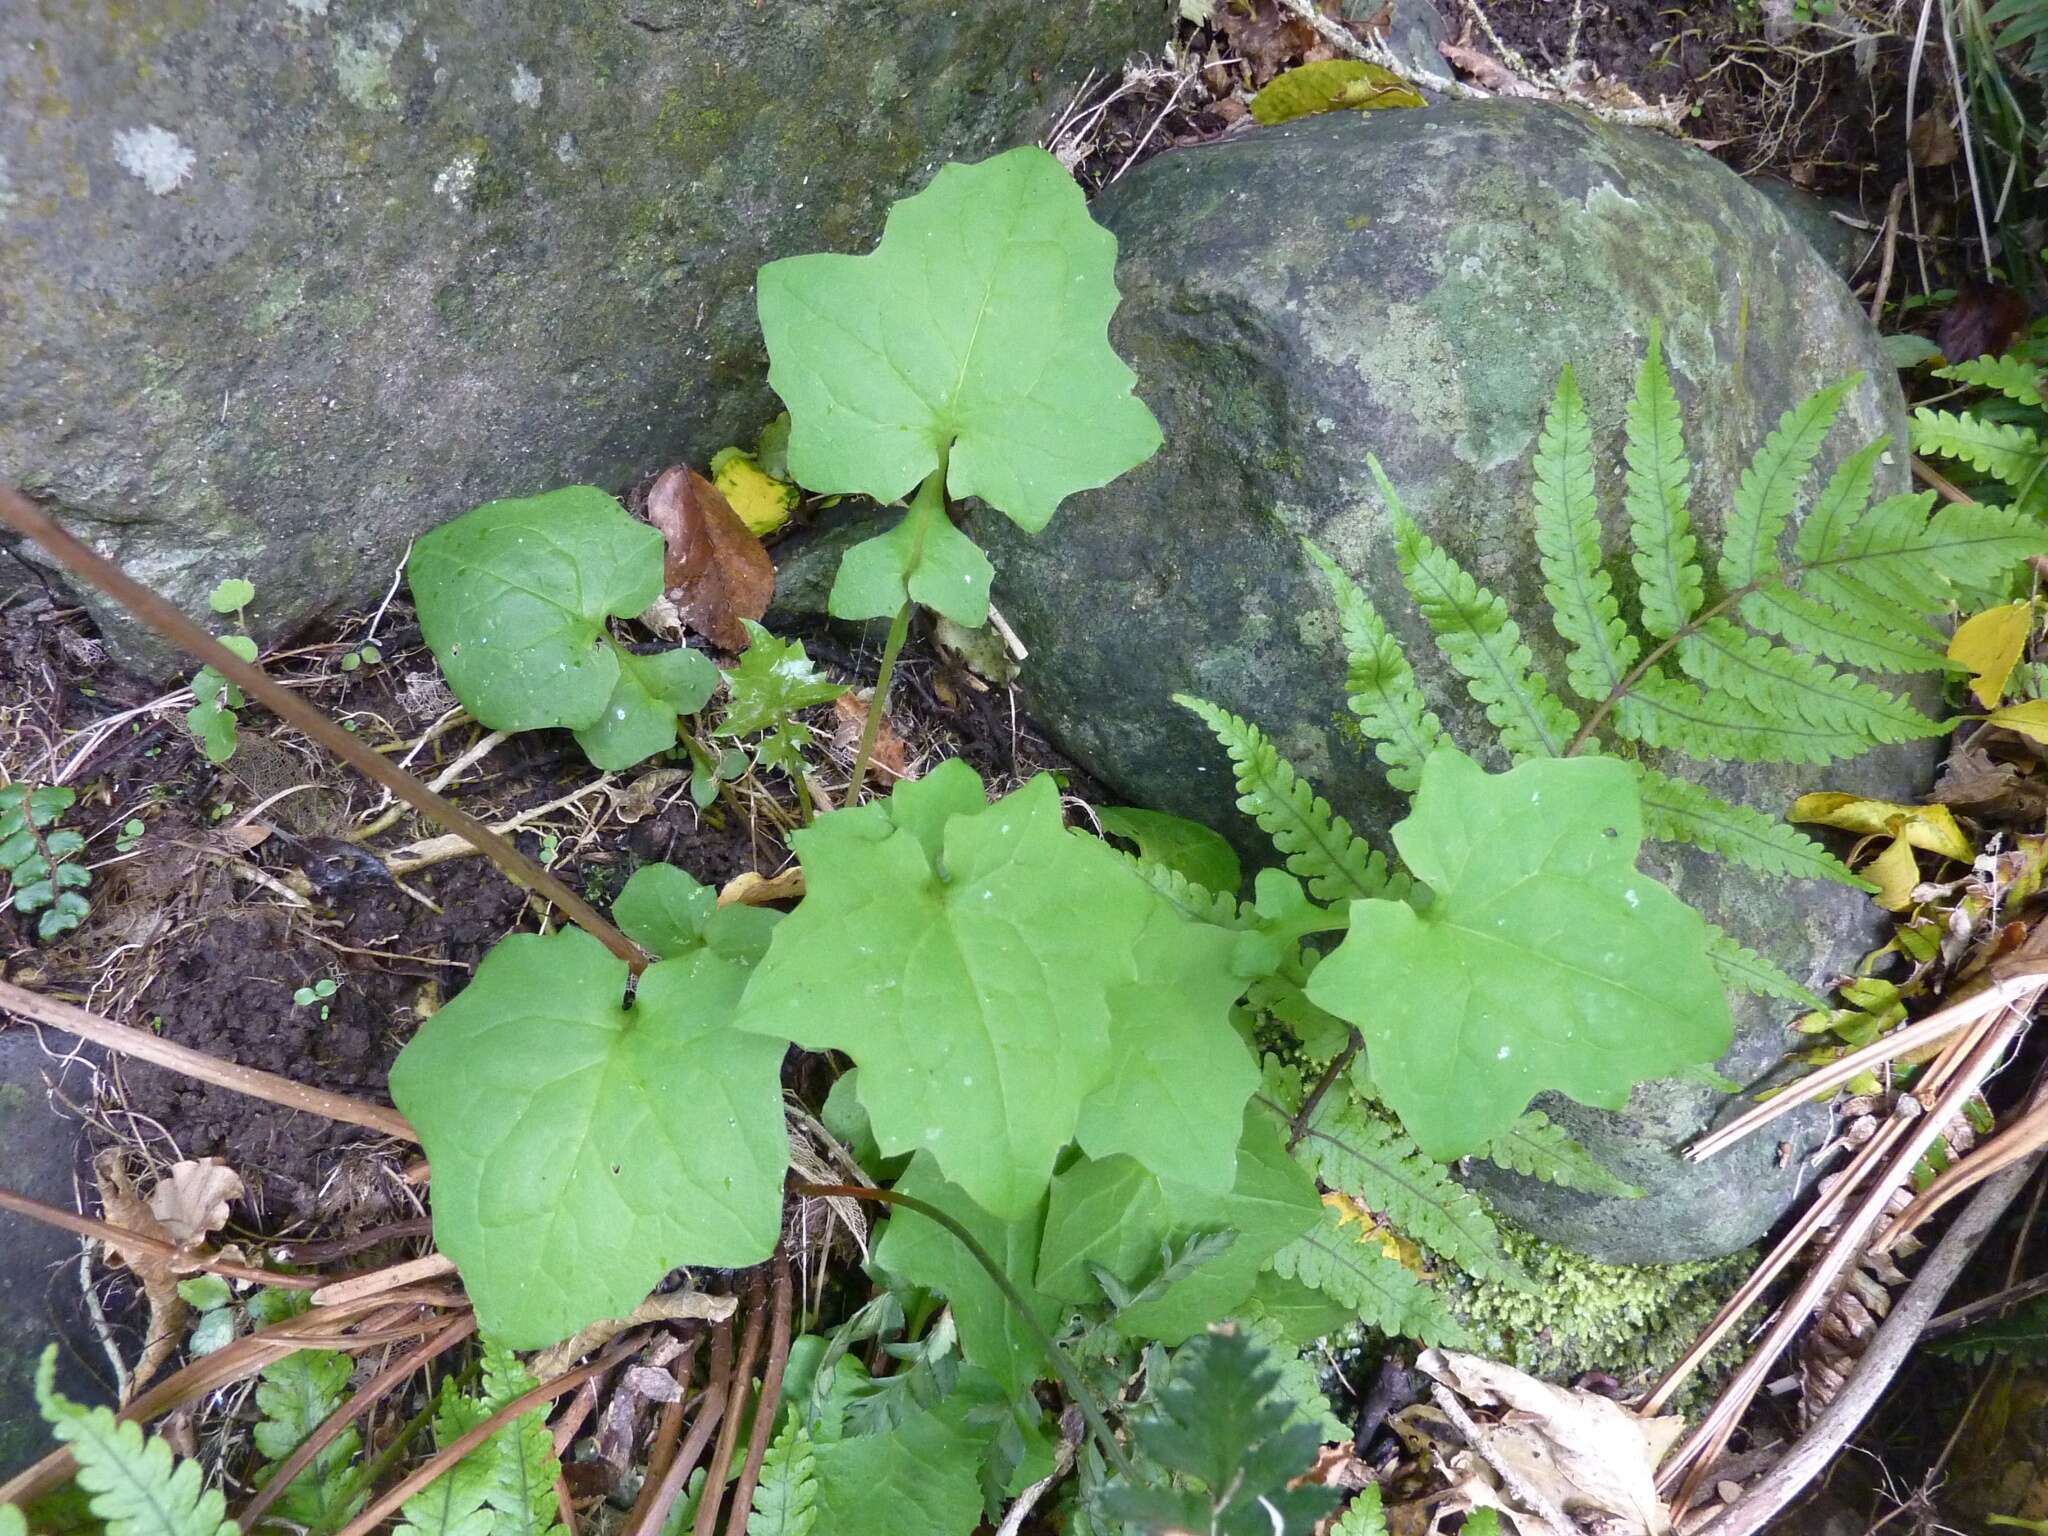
(1409, 284)
(284, 283)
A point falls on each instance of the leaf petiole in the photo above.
(929, 502)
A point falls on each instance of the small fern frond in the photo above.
(1726, 659)
(786, 1497)
(294, 1397)
(1536, 1147)
(2001, 449)
(1355, 1273)
(1922, 564)
(1672, 713)
(1770, 486)
(1194, 901)
(135, 1486)
(1600, 649)
(1315, 842)
(1367, 1156)
(1363, 1516)
(1480, 641)
(1842, 501)
(2012, 377)
(1659, 483)
(1679, 811)
(1380, 684)
(1744, 969)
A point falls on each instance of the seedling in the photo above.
(212, 717)
(316, 995)
(37, 855)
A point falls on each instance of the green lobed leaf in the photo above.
(639, 717)
(1199, 853)
(976, 335)
(773, 680)
(786, 1497)
(135, 1485)
(1364, 1515)
(231, 595)
(294, 1397)
(513, 599)
(584, 1148)
(925, 558)
(989, 971)
(1113, 1217)
(1921, 562)
(917, 1250)
(917, 1478)
(1547, 960)
(2016, 378)
(1600, 649)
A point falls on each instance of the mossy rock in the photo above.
(284, 283)
(1410, 284)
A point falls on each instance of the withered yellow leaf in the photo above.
(1932, 827)
(1896, 873)
(2029, 719)
(1990, 644)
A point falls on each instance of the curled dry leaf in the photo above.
(850, 718)
(643, 795)
(122, 1207)
(750, 889)
(192, 1199)
(1586, 1453)
(717, 572)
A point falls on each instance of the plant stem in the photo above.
(1657, 653)
(1062, 1367)
(928, 503)
(37, 526)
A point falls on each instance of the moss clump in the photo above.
(1630, 1321)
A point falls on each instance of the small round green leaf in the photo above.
(231, 596)
(513, 599)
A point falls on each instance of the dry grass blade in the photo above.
(340, 1292)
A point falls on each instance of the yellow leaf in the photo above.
(762, 502)
(2029, 719)
(1330, 84)
(1989, 644)
(1373, 1230)
(1896, 873)
(1932, 827)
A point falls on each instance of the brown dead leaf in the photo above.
(1266, 35)
(850, 718)
(751, 889)
(121, 1207)
(1983, 319)
(192, 1199)
(1931, 140)
(1487, 71)
(717, 572)
(643, 795)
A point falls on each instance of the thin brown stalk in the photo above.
(184, 1260)
(765, 1406)
(444, 1459)
(243, 1358)
(374, 1391)
(36, 525)
(668, 1427)
(140, 1043)
(429, 1267)
(735, 1394)
(2022, 1138)
(1849, 1240)
(658, 1497)
(1309, 1105)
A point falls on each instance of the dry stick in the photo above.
(1928, 1031)
(765, 1405)
(268, 1086)
(668, 1428)
(244, 1357)
(735, 1393)
(429, 1267)
(37, 525)
(444, 1460)
(129, 1238)
(1843, 1248)
(658, 1495)
(373, 1392)
(1902, 1330)
(1991, 1306)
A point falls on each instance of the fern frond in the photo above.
(1600, 649)
(1299, 1384)
(1659, 483)
(1678, 811)
(1198, 902)
(520, 1486)
(1854, 637)
(2001, 449)
(786, 1497)
(1921, 563)
(1842, 501)
(1744, 969)
(1536, 1147)
(1480, 641)
(1726, 659)
(1358, 1275)
(135, 1485)
(1363, 1516)
(2010, 376)
(294, 1397)
(1770, 486)
(1379, 683)
(1370, 1158)
(1315, 842)
(1672, 713)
